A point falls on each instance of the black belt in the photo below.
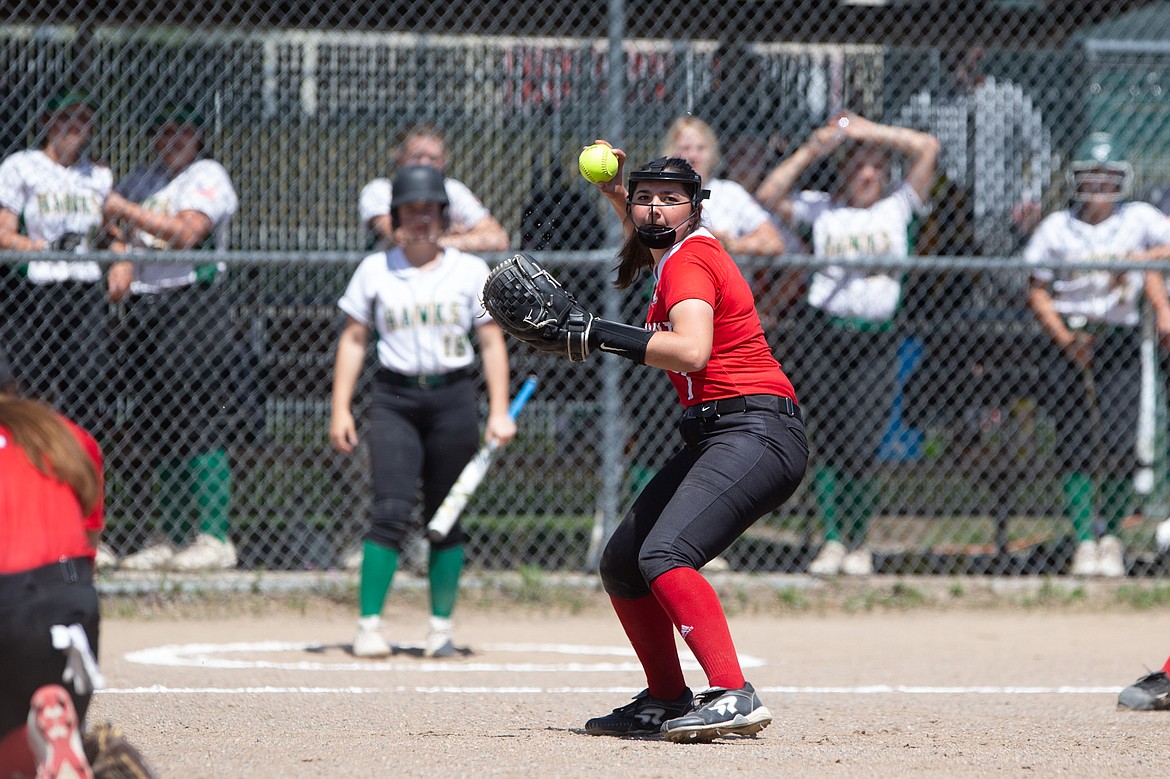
(424, 380)
(70, 570)
(713, 409)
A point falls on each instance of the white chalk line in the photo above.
(211, 656)
(206, 656)
(877, 689)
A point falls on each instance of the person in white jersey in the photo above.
(1093, 317)
(473, 228)
(850, 372)
(175, 341)
(731, 213)
(421, 300)
(54, 319)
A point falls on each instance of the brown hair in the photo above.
(51, 447)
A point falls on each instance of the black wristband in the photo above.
(623, 340)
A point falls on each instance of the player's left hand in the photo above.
(501, 429)
(532, 306)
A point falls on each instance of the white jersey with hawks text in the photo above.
(465, 209)
(1098, 296)
(203, 186)
(423, 318)
(844, 233)
(52, 200)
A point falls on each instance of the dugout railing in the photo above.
(967, 481)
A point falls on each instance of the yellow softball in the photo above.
(598, 163)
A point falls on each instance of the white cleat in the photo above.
(828, 561)
(206, 553)
(369, 641)
(1085, 559)
(439, 639)
(859, 562)
(152, 558)
(1110, 557)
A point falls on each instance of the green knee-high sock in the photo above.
(826, 490)
(1078, 497)
(212, 476)
(1116, 502)
(172, 500)
(443, 569)
(858, 501)
(378, 566)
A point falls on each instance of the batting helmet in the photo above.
(657, 170)
(418, 184)
(1099, 170)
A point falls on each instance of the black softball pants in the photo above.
(732, 470)
(417, 434)
(31, 602)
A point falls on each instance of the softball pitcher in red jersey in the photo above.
(744, 453)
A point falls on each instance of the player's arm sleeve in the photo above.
(479, 314)
(374, 200)
(749, 213)
(1036, 251)
(466, 209)
(358, 300)
(12, 194)
(210, 193)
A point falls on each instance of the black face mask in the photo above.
(656, 236)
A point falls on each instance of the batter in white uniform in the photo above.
(848, 377)
(422, 302)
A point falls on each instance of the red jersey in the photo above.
(40, 518)
(741, 362)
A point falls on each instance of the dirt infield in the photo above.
(884, 678)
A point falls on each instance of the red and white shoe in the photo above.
(55, 737)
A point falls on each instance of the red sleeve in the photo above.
(693, 274)
(96, 519)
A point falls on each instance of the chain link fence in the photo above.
(304, 106)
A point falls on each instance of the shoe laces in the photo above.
(708, 696)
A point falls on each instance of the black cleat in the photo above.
(1149, 693)
(720, 712)
(643, 716)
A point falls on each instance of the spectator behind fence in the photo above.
(54, 309)
(175, 348)
(1093, 318)
(849, 369)
(52, 511)
(421, 301)
(995, 146)
(473, 228)
(731, 213)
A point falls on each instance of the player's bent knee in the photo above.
(391, 522)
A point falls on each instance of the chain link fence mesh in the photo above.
(305, 105)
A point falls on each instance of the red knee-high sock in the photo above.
(695, 610)
(651, 633)
(1166, 666)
